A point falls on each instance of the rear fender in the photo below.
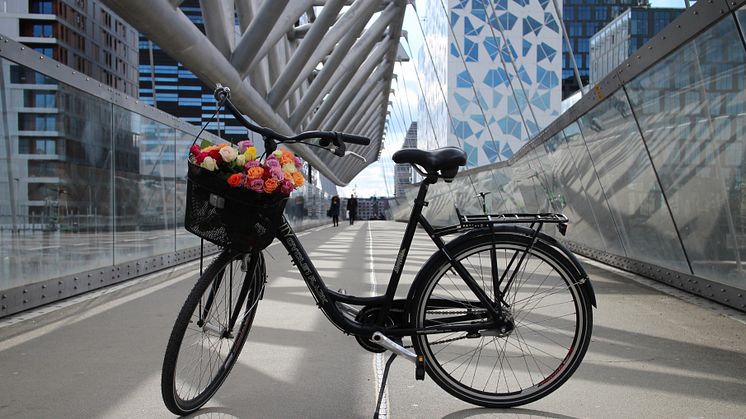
(439, 257)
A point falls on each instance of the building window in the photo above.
(40, 6)
(37, 122)
(43, 168)
(35, 145)
(39, 99)
(48, 51)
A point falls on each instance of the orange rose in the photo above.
(298, 179)
(286, 158)
(270, 185)
(256, 172)
(234, 180)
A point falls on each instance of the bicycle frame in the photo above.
(327, 299)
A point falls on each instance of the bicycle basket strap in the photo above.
(237, 218)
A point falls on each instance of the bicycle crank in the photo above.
(381, 339)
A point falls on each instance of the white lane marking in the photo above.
(378, 360)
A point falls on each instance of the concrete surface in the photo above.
(655, 353)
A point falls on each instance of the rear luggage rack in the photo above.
(482, 220)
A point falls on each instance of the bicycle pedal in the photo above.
(419, 368)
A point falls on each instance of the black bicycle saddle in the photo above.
(432, 160)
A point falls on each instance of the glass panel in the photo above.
(691, 111)
(630, 186)
(184, 239)
(589, 182)
(567, 195)
(55, 185)
(144, 181)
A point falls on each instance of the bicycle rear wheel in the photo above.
(550, 309)
(203, 346)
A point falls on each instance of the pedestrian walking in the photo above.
(352, 208)
(334, 210)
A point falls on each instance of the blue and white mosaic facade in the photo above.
(498, 63)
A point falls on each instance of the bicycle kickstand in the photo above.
(383, 384)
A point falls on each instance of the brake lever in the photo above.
(355, 155)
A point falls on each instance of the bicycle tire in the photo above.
(547, 301)
(184, 353)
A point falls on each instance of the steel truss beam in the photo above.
(287, 71)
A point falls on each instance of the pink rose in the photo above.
(298, 163)
(243, 145)
(287, 186)
(257, 185)
(251, 163)
(276, 173)
(272, 163)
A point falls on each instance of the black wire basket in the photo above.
(236, 218)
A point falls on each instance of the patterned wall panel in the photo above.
(500, 73)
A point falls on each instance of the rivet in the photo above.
(43, 296)
(24, 301)
(43, 287)
(59, 282)
(25, 291)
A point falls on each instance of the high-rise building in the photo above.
(618, 40)
(53, 129)
(582, 19)
(169, 86)
(491, 75)
(404, 171)
(84, 35)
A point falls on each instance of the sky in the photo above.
(378, 178)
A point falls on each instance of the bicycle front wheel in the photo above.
(211, 330)
(550, 310)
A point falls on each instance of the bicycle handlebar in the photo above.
(338, 139)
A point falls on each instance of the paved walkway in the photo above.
(653, 354)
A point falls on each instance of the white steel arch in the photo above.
(288, 76)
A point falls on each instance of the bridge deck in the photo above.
(655, 353)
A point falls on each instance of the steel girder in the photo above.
(288, 76)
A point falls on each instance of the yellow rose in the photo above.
(250, 153)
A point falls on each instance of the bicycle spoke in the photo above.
(488, 368)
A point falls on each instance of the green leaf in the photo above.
(204, 144)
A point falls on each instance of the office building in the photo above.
(498, 65)
(582, 19)
(404, 173)
(618, 40)
(169, 86)
(55, 132)
(86, 36)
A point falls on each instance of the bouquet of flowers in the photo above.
(242, 168)
(234, 199)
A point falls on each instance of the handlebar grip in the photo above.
(354, 139)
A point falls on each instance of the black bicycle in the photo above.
(499, 316)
